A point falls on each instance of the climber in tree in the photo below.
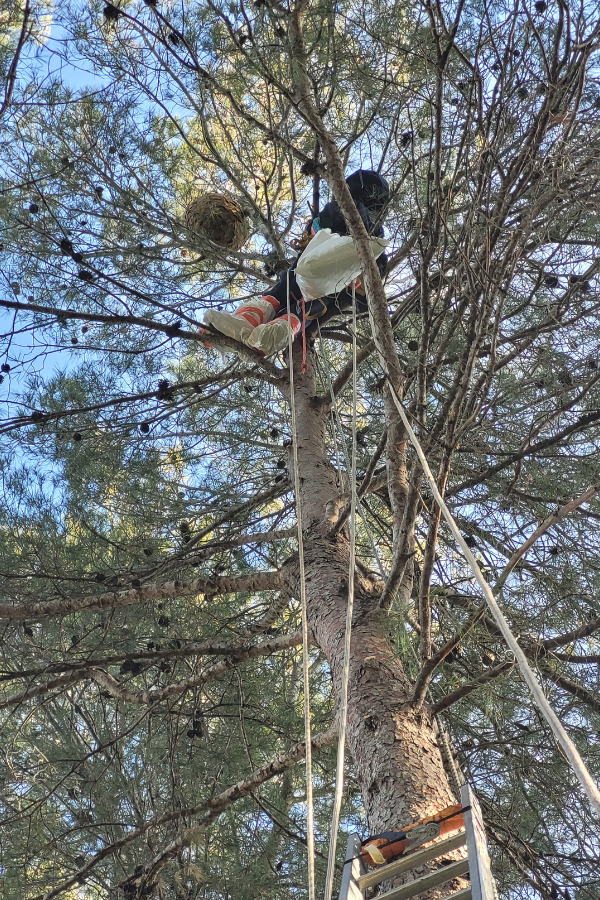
(264, 324)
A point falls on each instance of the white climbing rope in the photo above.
(310, 826)
(563, 739)
(341, 748)
(337, 427)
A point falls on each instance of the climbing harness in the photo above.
(310, 829)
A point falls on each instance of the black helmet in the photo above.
(370, 188)
(370, 193)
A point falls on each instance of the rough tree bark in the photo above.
(394, 747)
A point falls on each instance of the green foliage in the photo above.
(135, 457)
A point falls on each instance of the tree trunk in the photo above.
(394, 748)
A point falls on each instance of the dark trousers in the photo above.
(316, 308)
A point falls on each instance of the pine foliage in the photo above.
(146, 476)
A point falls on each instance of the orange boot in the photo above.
(240, 324)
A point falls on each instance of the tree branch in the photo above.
(572, 687)
(11, 76)
(223, 801)
(157, 695)
(571, 636)
(429, 667)
(221, 584)
(582, 422)
(206, 336)
(215, 806)
(542, 529)
(466, 689)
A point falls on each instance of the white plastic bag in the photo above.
(330, 263)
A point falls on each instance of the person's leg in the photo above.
(275, 335)
(272, 336)
(239, 324)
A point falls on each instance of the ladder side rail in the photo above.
(482, 881)
(353, 869)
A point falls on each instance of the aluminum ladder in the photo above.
(476, 865)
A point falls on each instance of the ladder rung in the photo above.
(411, 861)
(445, 873)
(465, 894)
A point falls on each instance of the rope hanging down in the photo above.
(563, 739)
(310, 828)
(455, 773)
(336, 426)
(341, 749)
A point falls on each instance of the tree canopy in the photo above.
(151, 670)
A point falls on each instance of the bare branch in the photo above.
(589, 698)
(223, 801)
(217, 584)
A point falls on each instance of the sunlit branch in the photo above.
(216, 584)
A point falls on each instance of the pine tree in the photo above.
(152, 698)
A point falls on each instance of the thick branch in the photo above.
(223, 584)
